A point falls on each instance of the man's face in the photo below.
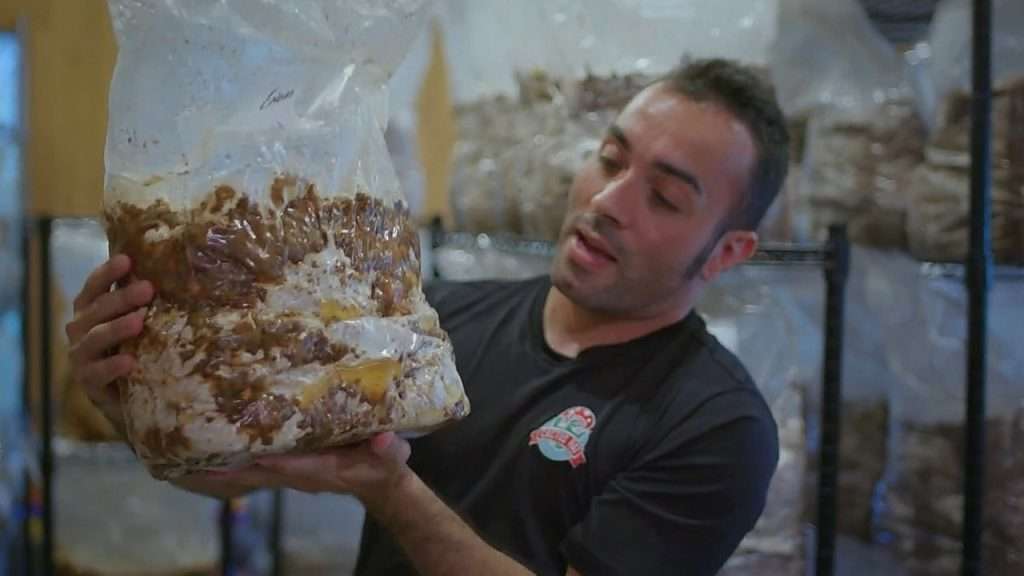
(645, 211)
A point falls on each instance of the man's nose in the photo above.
(618, 199)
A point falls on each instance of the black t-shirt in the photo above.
(649, 457)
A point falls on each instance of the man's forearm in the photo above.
(436, 540)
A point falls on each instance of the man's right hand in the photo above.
(103, 320)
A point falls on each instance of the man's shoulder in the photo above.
(712, 387)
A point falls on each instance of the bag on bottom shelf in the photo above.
(921, 497)
(938, 225)
(114, 520)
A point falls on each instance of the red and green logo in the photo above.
(564, 437)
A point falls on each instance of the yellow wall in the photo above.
(69, 60)
(436, 131)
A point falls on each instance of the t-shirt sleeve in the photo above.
(684, 507)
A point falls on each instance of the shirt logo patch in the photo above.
(564, 437)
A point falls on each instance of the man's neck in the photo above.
(569, 329)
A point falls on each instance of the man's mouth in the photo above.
(590, 251)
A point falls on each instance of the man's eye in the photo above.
(662, 201)
(610, 165)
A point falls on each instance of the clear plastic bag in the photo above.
(937, 223)
(828, 55)
(248, 178)
(402, 136)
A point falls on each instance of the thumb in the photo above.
(390, 447)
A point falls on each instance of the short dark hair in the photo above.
(747, 95)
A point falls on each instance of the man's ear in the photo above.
(734, 248)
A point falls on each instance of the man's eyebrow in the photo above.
(681, 174)
(686, 176)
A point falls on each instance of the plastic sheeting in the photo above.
(950, 41)
(924, 336)
(828, 55)
(401, 134)
(747, 311)
(569, 38)
(321, 533)
(113, 519)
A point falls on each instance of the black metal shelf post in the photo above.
(227, 540)
(38, 519)
(27, 504)
(979, 265)
(45, 227)
(276, 533)
(837, 270)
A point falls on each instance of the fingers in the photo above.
(250, 477)
(102, 337)
(97, 377)
(296, 465)
(102, 279)
(312, 473)
(108, 306)
(390, 447)
(95, 371)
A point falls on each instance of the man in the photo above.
(610, 433)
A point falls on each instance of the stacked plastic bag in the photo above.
(864, 132)
(938, 226)
(529, 114)
(516, 158)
